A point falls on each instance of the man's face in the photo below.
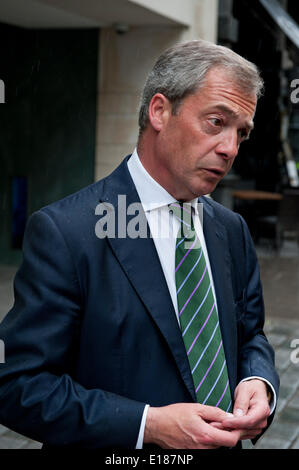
(196, 147)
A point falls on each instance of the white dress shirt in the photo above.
(164, 228)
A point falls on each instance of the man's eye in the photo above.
(243, 134)
(216, 122)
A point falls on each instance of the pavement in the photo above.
(279, 274)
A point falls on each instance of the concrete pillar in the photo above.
(205, 20)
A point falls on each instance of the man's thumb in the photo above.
(241, 406)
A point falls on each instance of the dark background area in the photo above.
(262, 163)
(47, 125)
(258, 41)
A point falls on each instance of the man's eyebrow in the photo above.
(225, 109)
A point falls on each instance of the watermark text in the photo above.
(2, 92)
(295, 92)
(130, 221)
(295, 354)
(2, 351)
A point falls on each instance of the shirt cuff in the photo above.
(139, 444)
(273, 401)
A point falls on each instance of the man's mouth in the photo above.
(217, 172)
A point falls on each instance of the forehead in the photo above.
(219, 90)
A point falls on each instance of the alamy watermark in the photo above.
(2, 351)
(295, 92)
(295, 354)
(2, 91)
(129, 220)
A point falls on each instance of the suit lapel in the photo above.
(141, 264)
(220, 261)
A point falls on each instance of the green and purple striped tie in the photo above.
(198, 315)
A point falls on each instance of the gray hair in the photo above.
(181, 71)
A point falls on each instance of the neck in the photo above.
(149, 157)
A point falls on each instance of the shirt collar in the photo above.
(152, 194)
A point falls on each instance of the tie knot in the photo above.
(183, 213)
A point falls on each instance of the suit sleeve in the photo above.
(38, 394)
(257, 355)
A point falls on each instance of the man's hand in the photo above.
(187, 426)
(251, 409)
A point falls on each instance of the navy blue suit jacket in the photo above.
(93, 336)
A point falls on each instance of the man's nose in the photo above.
(228, 147)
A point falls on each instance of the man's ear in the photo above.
(159, 111)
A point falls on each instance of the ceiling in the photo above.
(83, 14)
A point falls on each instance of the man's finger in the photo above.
(255, 418)
(212, 413)
(250, 434)
(221, 437)
(217, 425)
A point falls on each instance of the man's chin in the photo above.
(205, 190)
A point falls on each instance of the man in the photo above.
(96, 349)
